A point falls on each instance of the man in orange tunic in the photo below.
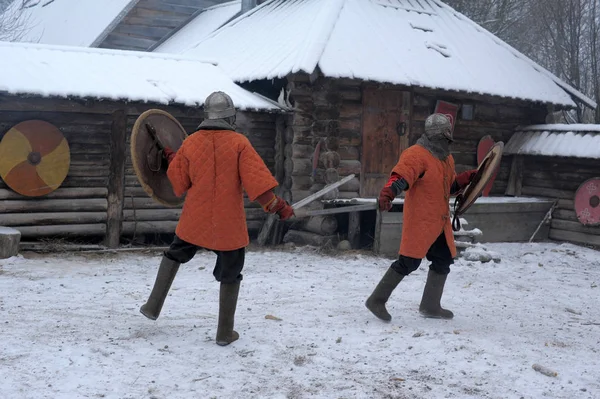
(214, 165)
(426, 172)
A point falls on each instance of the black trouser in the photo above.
(438, 254)
(228, 268)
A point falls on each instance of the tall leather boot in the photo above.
(432, 294)
(228, 297)
(376, 302)
(166, 273)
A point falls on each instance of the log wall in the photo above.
(558, 179)
(496, 119)
(328, 111)
(80, 207)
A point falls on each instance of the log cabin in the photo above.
(361, 77)
(554, 161)
(93, 97)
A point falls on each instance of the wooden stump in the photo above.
(305, 238)
(324, 225)
(9, 242)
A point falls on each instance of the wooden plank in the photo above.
(116, 180)
(575, 237)
(511, 227)
(55, 205)
(515, 179)
(354, 229)
(75, 230)
(28, 219)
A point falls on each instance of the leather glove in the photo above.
(274, 204)
(282, 208)
(169, 154)
(386, 196)
(463, 179)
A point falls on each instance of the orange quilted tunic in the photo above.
(214, 167)
(426, 208)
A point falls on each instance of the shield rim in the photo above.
(132, 145)
(20, 192)
(575, 197)
(463, 207)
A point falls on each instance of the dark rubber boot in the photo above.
(432, 294)
(228, 297)
(166, 273)
(376, 302)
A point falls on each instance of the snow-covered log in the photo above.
(9, 242)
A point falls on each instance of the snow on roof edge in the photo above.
(561, 127)
(191, 18)
(96, 50)
(559, 82)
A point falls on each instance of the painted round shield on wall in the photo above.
(587, 202)
(34, 158)
(153, 129)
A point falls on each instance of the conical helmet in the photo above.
(218, 105)
(437, 125)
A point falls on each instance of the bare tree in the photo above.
(14, 21)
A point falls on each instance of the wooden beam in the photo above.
(515, 179)
(116, 179)
(354, 229)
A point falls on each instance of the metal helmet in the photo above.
(218, 105)
(437, 125)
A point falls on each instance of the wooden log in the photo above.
(9, 242)
(348, 153)
(565, 214)
(305, 151)
(323, 225)
(351, 94)
(307, 238)
(65, 230)
(546, 192)
(353, 185)
(575, 226)
(116, 179)
(555, 184)
(351, 110)
(575, 237)
(330, 159)
(349, 167)
(566, 204)
(141, 203)
(144, 215)
(60, 193)
(149, 227)
(55, 205)
(298, 167)
(348, 194)
(515, 180)
(30, 219)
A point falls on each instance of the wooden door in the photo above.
(385, 132)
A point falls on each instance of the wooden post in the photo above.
(116, 178)
(354, 229)
(515, 179)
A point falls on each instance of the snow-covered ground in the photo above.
(70, 328)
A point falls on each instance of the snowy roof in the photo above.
(67, 22)
(577, 140)
(420, 43)
(205, 23)
(61, 71)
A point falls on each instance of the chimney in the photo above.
(247, 5)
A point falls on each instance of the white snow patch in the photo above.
(578, 140)
(65, 71)
(71, 328)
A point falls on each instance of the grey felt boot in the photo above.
(166, 274)
(376, 302)
(432, 294)
(228, 297)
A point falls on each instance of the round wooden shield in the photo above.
(587, 202)
(486, 170)
(34, 158)
(148, 162)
